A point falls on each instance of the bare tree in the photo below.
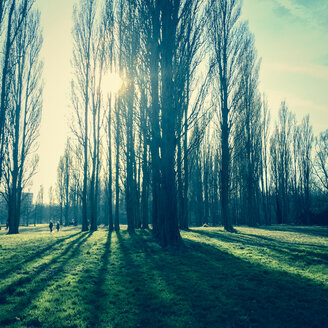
(248, 128)
(321, 160)
(64, 177)
(265, 128)
(305, 154)
(60, 187)
(23, 114)
(17, 13)
(83, 36)
(281, 161)
(129, 47)
(226, 39)
(108, 23)
(39, 206)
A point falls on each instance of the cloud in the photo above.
(323, 60)
(292, 38)
(315, 71)
(313, 12)
(292, 7)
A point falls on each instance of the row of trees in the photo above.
(187, 137)
(168, 124)
(20, 101)
(155, 47)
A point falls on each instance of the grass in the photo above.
(275, 277)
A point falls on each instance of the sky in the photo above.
(291, 37)
(56, 53)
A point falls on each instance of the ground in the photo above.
(270, 277)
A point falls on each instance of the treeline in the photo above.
(169, 128)
(187, 139)
(20, 101)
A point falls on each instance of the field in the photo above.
(272, 277)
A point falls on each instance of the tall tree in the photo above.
(17, 13)
(23, 114)
(321, 160)
(265, 128)
(305, 154)
(83, 36)
(39, 206)
(249, 126)
(129, 48)
(108, 23)
(64, 179)
(281, 161)
(226, 36)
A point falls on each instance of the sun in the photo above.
(112, 83)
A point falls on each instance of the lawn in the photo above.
(274, 277)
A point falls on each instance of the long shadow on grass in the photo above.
(224, 291)
(35, 256)
(286, 298)
(311, 231)
(306, 253)
(97, 295)
(152, 307)
(278, 241)
(40, 279)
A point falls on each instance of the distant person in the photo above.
(57, 226)
(51, 226)
(7, 225)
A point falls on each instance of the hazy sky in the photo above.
(291, 38)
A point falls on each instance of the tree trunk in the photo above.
(145, 183)
(117, 173)
(110, 191)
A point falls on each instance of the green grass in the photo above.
(275, 277)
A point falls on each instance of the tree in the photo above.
(281, 161)
(321, 160)
(23, 114)
(17, 14)
(305, 154)
(64, 177)
(248, 128)
(83, 35)
(226, 41)
(60, 187)
(128, 47)
(108, 21)
(39, 206)
(51, 197)
(265, 128)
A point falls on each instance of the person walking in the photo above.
(51, 225)
(57, 226)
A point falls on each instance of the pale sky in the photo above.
(56, 20)
(291, 38)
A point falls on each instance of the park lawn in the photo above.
(274, 277)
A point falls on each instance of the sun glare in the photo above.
(112, 83)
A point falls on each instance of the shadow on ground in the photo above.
(121, 280)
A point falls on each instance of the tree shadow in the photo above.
(35, 256)
(38, 281)
(316, 231)
(213, 288)
(148, 307)
(307, 253)
(97, 295)
(131, 282)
